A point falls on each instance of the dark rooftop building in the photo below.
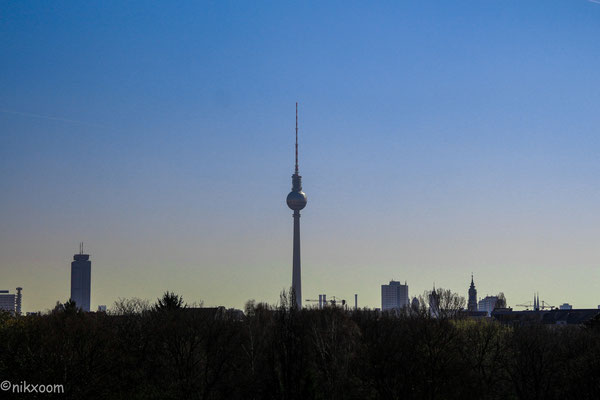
(547, 317)
(475, 314)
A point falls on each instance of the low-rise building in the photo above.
(487, 304)
(546, 317)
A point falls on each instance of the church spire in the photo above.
(472, 304)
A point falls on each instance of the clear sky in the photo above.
(437, 138)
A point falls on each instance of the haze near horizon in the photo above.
(436, 139)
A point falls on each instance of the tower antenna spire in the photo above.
(296, 170)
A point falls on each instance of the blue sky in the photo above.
(437, 139)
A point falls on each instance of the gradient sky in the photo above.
(437, 138)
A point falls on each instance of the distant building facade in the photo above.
(19, 301)
(11, 302)
(415, 304)
(548, 317)
(487, 304)
(394, 296)
(565, 306)
(472, 304)
(81, 271)
(434, 303)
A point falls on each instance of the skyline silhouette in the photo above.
(439, 139)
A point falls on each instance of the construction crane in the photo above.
(546, 305)
(333, 302)
(322, 300)
(527, 306)
(313, 301)
(543, 306)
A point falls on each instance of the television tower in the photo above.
(296, 200)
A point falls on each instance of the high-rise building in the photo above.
(296, 201)
(81, 271)
(394, 296)
(472, 304)
(487, 304)
(18, 301)
(11, 302)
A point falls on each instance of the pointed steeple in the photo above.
(472, 304)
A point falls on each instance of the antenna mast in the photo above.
(296, 138)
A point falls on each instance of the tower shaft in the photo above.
(296, 269)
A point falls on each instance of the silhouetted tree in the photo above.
(168, 302)
(129, 306)
(176, 351)
(501, 302)
(442, 303)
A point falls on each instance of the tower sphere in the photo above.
(296, 200)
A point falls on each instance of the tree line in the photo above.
(169, 350)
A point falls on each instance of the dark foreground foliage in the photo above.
(170, 351)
